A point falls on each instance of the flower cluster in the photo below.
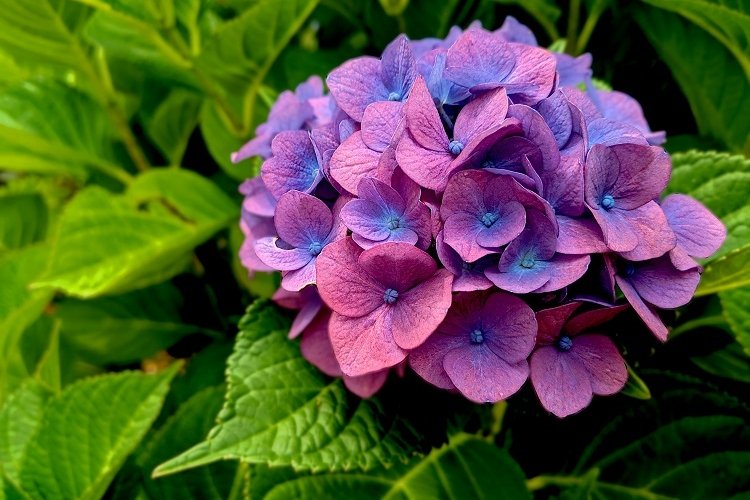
(468, 207)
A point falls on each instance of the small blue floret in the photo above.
(394, 223)
(565, 343)
(455, 147)
(489, 218)
(390, 296)
(315, 248)
(394, 96)
(608, 202)
(477, 336)
(527, 262)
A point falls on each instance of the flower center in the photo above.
(467, 266)
(315, 248)
(390, 296)
(489, 218)
(455, 147)
(565, 343)
(394, 223)
(527, 262)
(608, 202)
(629, 269)
(487, 163)
(476, 336)
(394, 96)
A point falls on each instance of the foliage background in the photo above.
(120, 289)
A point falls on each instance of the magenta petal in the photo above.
(307, 314)
(532, 78)
(298, 279)
(481, 116)
(461, 232)
(365, 218)
(357, 83)
(565, 270)
(467, 278)
(279, 258)
(352, 162)
(481, 376)
(607, 370)
(423, 120)
(316, 347)
(561, 381)
(579, 236)
(464, 193)
(655, 237)
(699, 232)
(428, 168)
(365, 386)
(399, 266)
(380, 124)
(365, 344)
(343, 284)
(592, 319)
(511, 221)
(551, 322)
(646, 312)
(511, 327)
(427, 359)
(418, 312)
(660, 284)
(616, 229)
(302, 219)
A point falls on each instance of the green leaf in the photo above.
(635, 386)
(726, 273)
(23, 220)
(183, 429)
(466, 468)
(47, 126)
(123, 328)
(88, 431)
(109, 244)
(47, 371)
(19, 306)
(280, 410)
(35, 31)
(730, 361)
(728, 21)
(736, 304)
(692, 169)
(20, 417)
(711, 78)
(222, 141)
(172, 122)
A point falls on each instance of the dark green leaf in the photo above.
(736, 305)
(729, 361)
(636, 387)
(23, 220)
(172, 122)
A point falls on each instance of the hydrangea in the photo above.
(473, 208)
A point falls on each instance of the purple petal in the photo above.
(699, 232)
(419, 311)
(483, 115)
(281, 259)
(298, 279)
(610, 132)
(399, 266)
(382, 124)
(533, 75)
(316, 347)
(510, 327)
(479, 57)
(398, 67)
(293, 166)
(310, 309)
(467, 277)
(513, 31)
(357, 83)
(352, 162)
(646, 312)
(511, 219)
(655, 237)
(565, 270)
(366, 219)
(258, 199)
(579, 236)
(423, 121)
(607, 370)
(366, 386)
(302, 219)
(427, 359)
(561, 381)
(342, 283)
(481, 376)
(660, 284)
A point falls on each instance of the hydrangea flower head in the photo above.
(454, 203)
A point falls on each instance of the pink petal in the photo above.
(357, 83)
(645, 311)
(352, 162)
(655, 237)
(579, 236)
(551, 322)
(481, 116)
(533, 75)
(299, 278)
(481, 376)
(397, 265)
(427, 359)
(302, 219)
(381, 123)
(279, 258)
(616, 228)
(316, 347)
(561, 381)
(418, 312)
(366, 386)
(699, 232)
(661, 285)
(310, 309)
(513, 325)
(423, 120)
(607, 370)
(565, 270)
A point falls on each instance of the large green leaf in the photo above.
(726, 20)
(729, 272)
(20, 417)
(123, 328)
(711, 78)
(280, 410)
(109, 244)
(170, 125)
(19, 306)
(23, 220)
(50, 127)
(88, 431)
(736, 305)
(467, 467)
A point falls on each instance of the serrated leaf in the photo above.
(730, 361)
(692, 169)
(280, 410)
(23, 220)
(711, 78)
(726, 273)
(466, 468)
(736, 304)
(123, 328)
(172, 122)
(47, 126)
(728, 21)
(20, 417)
(192, 420)
(88, 431)
(106, 244)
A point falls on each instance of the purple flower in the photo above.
(383, 213)
(305, 226)
(291, 111)
(623, 108)
(385, 300)
(480, 61)
(306, 301)
(364, 80)
(426, 153)
(570, 366)
(294, 166)
(621, 183)
(699, 233)
(481, 347)
(530, 262)
(360, 156)
(480, 215)
(317, 349)
(655, 283)
(573, 71)
(467, 276)
(513, 31)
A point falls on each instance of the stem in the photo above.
(588, 27)
(573, 15)
(238, 484)
(541, 482)
(446, 119)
